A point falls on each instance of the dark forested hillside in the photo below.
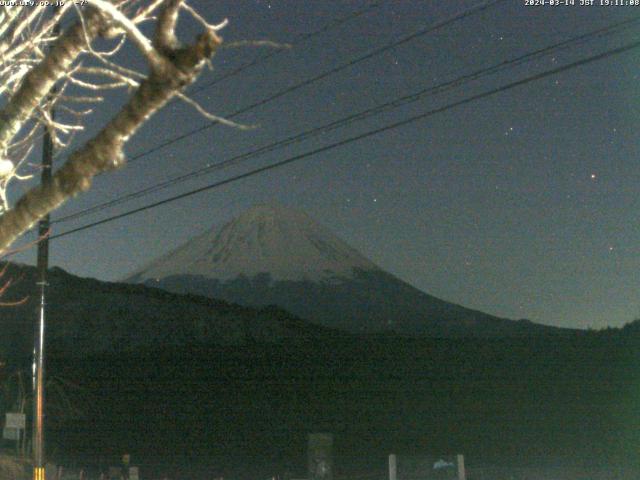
(515, 402)
(185, 381)
(86, 317)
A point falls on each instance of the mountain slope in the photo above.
(279, 256)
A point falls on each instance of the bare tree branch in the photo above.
(172, 69)
(39, 81)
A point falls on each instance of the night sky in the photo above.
(523, 204)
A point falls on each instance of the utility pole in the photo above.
(39, 339)
(38, 349)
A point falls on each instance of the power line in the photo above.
(302, 38)
(400, 101)
(466, 13)
(370, 133)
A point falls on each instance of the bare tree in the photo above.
(42, 67)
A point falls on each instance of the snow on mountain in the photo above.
(285, 243)
(277, 256)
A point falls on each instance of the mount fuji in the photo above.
(276, 256)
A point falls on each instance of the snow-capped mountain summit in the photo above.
(277, 256)
(285, 243)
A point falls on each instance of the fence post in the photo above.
(462, 475)
(393, 467)
(320, 456)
